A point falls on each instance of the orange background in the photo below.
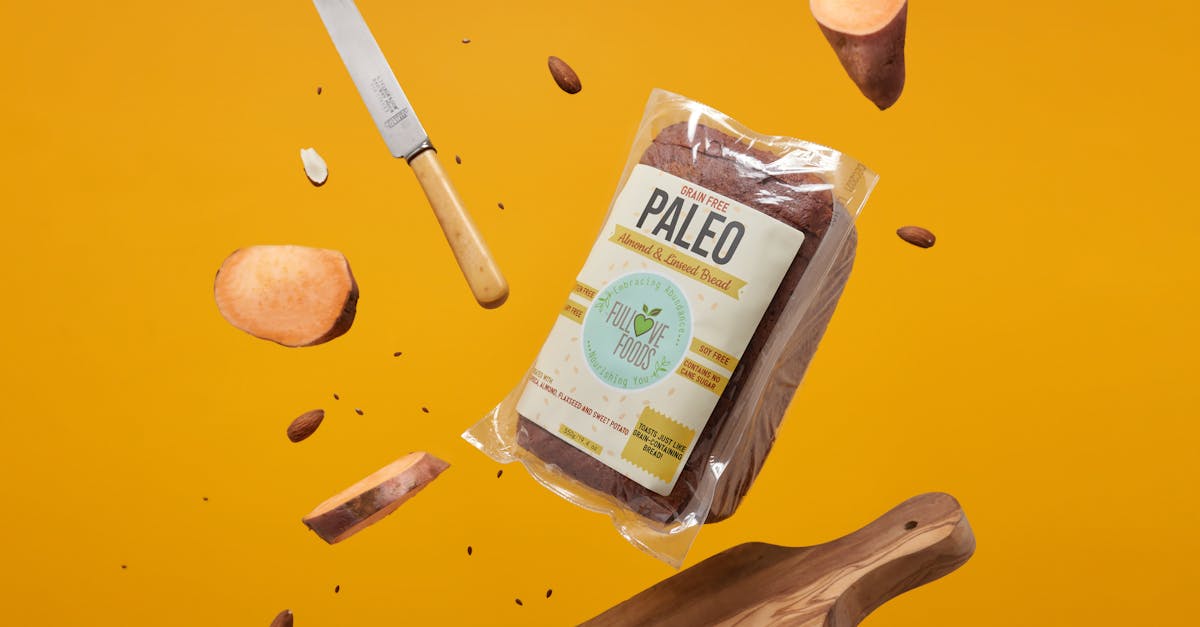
(1039, 363)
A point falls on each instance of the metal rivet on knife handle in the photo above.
(480, 270)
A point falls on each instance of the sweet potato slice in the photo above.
(868, 37)
(293, 295)
(368, 501)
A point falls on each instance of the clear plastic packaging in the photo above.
(659, 390)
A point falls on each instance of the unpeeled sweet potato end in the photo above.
(868, 37)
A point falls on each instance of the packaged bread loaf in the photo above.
(658, 392)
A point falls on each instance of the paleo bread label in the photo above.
(656, 322)
(680, 263)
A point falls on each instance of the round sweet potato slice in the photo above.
(292, 295)
(374, 497)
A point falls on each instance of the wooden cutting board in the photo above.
(835, 584)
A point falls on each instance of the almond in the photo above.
(566, 78)
(284, 619)
(314, 166)
(305, 424)
(916, 236)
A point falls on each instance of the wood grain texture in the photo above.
(474, 259)
(835, 584)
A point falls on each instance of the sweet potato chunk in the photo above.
(292, 295)
(868, 37)
(368, 501)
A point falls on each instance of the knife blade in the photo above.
(406, 138)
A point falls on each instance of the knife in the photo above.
(405, 137)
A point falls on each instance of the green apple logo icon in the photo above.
(643, 323)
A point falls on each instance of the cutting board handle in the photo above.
(835, 584)
(920, 540)
(476, 262)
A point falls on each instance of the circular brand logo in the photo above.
(637, 331)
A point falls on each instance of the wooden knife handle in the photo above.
(474, 259)
(835, 584)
